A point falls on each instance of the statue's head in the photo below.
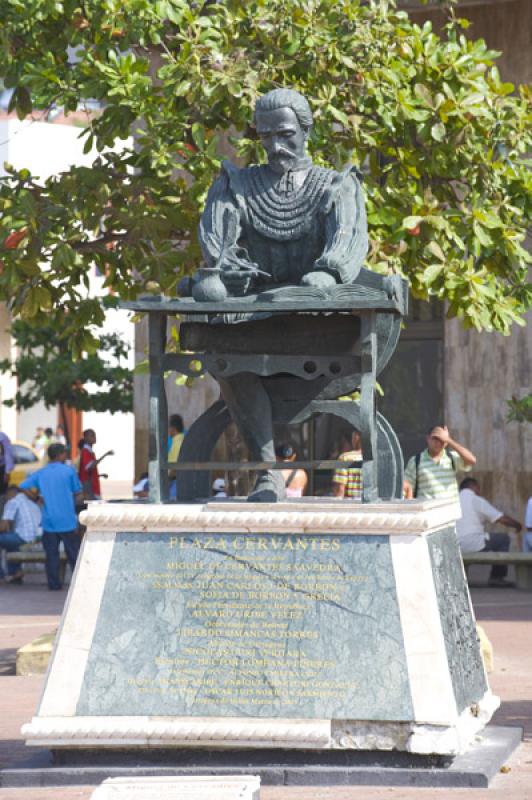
(283, 120)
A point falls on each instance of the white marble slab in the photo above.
(245, 787)
(414, 517)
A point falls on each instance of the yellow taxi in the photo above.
(26, 462)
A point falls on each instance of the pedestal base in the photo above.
(334, 626)
(475, 768)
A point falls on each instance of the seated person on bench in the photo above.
(471, 528)
(20, 524)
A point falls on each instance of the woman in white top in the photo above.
(295, 480)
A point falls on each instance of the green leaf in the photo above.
(339, 115)
(424, 94)
(482, 235)
(293, 46)
(23, 102)
(438, 132)
(436, 250)
(198, 135)
(432, 272)
(411, 222)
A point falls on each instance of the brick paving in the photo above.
(29, 610)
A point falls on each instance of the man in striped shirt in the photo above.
(347, 481)
(432, 473)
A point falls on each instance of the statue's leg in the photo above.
(251, 409)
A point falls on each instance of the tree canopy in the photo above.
(441, 137)
(47, 373)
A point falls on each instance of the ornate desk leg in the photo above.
(368, 416)
(158, 417)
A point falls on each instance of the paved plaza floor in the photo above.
(29, 610)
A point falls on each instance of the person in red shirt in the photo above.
(88, 466)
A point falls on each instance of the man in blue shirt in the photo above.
(58, 485)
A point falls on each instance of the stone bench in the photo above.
(29, 555)
(521, 561)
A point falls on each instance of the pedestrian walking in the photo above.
(58, 486)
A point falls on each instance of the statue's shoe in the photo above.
(269, 488)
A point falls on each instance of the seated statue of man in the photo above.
(271, 227)
(287, 222)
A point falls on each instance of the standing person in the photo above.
(20, 523)
(432, 473)
(39, 433)
(39, 442)
(176, 434)
(527, 538)
(88, 466)
(347, 481)
(58, 485)
(471, 528)
(295, 480)
(7, 461)
(59, 435)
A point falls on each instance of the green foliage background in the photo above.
(47, 373)
(442, 137)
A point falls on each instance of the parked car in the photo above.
(26, 462)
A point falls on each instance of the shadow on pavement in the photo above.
(8, 658)
(509, 604)
(31, 598)
(517, 713)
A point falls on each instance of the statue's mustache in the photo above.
(282, 153)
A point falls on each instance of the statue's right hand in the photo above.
(236, 281)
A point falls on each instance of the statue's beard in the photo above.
(283, 162)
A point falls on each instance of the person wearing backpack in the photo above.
(432, 473)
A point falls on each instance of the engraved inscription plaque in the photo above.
(254, 625)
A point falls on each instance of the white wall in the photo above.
(46, 149)
(115, 431)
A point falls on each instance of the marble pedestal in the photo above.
(310, 625)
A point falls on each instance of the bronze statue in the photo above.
(289, 236)
(283, 224)
(287, 222)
